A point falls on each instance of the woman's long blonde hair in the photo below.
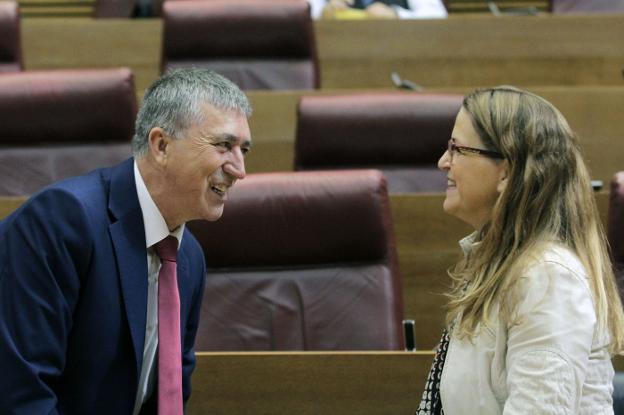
(548, 197)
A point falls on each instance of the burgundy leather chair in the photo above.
(615, 227)
(403, 134)
(10, 44)
(57, 124)
(258, 44)
(302, 261)
(116, 9)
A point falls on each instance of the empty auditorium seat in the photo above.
(302, 261)
(258, 44)
(57, 124)
(10, 45)
(404, 134)
(105, 9)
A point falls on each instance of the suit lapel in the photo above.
(128, 235)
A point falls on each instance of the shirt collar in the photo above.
(155, 226)
(469, 243)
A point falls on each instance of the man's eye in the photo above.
(224, 144)
(245, 150)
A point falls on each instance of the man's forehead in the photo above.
(226, 124)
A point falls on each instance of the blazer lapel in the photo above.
(128, 235)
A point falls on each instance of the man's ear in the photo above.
(503, 174)
(159, 145)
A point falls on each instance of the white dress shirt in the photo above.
(553, 358)
(155, 231)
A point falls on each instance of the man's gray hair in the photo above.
(174, 103)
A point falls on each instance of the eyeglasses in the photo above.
(463, 150)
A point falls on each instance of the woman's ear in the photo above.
(159, 145)
(503, 174)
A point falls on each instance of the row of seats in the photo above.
(64, 123)
(58, 124)
(267, 44)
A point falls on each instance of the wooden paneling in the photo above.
(56, 8)
(505, 6)
(467, 50)
(56, 43)
(371, 383)
(9, 204)
(308, 383)
(473, 50)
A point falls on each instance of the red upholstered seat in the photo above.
(57, 124)
(258, 44)
(404, 134)
(113, 9)
(615, 228)
(302, 261)
(10, 45)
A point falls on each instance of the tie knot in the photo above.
(167, 249)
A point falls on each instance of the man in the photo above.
(80, 262)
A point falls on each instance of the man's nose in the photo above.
(236, 165)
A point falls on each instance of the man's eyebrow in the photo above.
(233, 139)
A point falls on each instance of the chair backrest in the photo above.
(57, 124)
(258, 44)
(615, 227)
(113, 9)
(404, 134)
(586, 6)
(10, 44)
(302, 261)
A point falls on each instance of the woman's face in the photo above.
(474, 181)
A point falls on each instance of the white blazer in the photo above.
(552, 360)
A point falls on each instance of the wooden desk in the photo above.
(462, 50)
(9, 204)
(309, 383)
(473, 50)
(368, 383)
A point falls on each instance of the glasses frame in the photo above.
(452, 147)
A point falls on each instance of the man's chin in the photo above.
(213, 213)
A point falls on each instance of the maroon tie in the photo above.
(169, 345)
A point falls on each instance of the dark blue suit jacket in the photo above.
(73, 298)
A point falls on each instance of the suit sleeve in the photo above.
(188, 356)
(43, 252)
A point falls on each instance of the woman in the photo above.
(533, 314)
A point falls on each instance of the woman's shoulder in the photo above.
(556, 261)
(553, 275)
